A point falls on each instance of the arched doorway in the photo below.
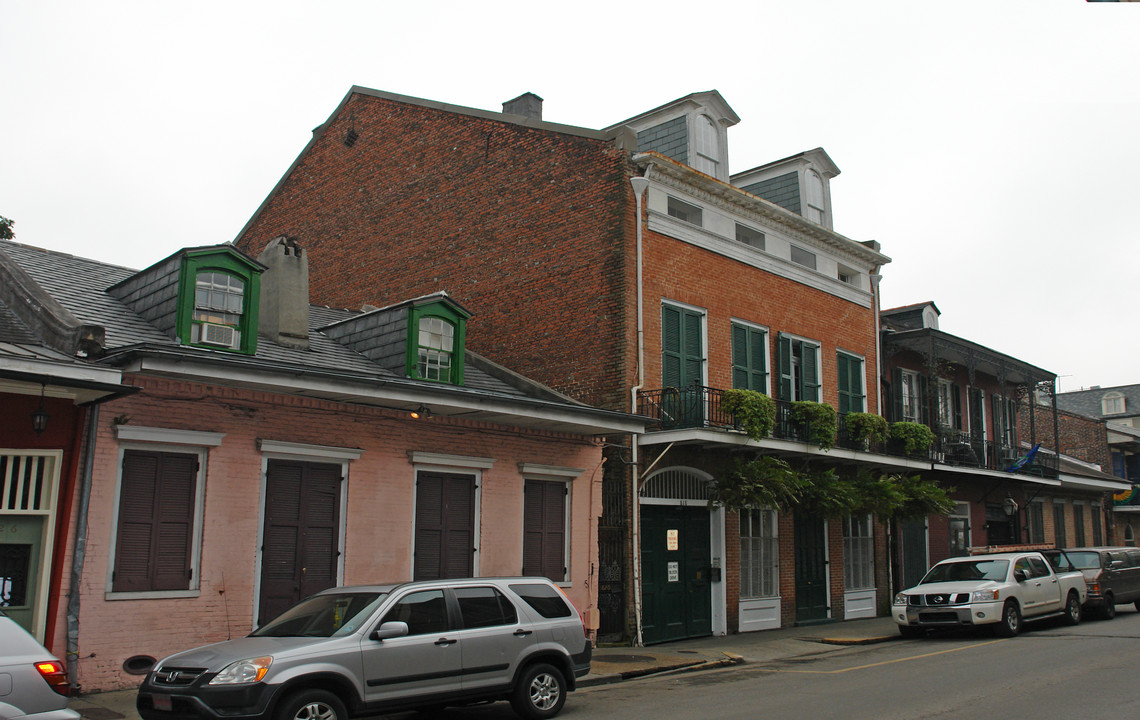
(681, 554)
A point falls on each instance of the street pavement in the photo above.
(617, 664)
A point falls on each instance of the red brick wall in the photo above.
(1082, 437)
(522, 226)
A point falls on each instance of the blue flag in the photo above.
(1024, 459)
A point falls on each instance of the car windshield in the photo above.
(967, 570)
(1085, 560)
(333, 614)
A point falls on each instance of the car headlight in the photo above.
(243, 672)
(900, 599)
(984, 595)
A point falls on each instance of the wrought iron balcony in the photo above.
(697, 406)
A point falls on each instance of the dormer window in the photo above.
(437, 346)
(218, 300)
(218, 305)
(814, 209)
(1112, 403)
(435, 343)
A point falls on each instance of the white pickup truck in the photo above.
(1001, 589)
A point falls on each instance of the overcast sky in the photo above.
(991, 147)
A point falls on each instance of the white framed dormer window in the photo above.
(683, 211)
(706, 157)
(159, 498)
(1112, 403)
(218, 307)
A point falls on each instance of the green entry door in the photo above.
(21, 550)
(811, 570)
(675, 564)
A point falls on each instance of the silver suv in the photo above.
(33, 684)
(358, 651)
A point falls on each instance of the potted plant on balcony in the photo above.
(913, 437)
(754, 412)
(867, 430)
(817, 421)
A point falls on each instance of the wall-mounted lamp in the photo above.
(1009, 506)
(40, 415)
(421, 412)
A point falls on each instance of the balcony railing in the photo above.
(697, 406)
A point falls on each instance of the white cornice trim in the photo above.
(551, 470)
(169, 436)
(673, 174)
(462, 461)
(331, 452)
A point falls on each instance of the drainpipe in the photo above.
(639, 186)
(875, 279)
(80, 551)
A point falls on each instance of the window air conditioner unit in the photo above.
(221, 335)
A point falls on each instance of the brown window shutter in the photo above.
(156, 521)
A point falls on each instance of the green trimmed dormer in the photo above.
(218, 300)
(422, 339)
(205, 297)
(435, 341)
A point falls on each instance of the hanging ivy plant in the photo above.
(818, 420)
(867, 428)
(754, 412)
(914, 437)
(765, 481)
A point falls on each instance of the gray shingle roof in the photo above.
(1088, 402)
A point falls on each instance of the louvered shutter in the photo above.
(693, 349)
(544, 523)
(670, 346)
(956, 404)
(741, 367)
(156, 519)
(810, 390)
(784, 361)
(445, 526)
(843, 374)
(896, 394)
(429, 527)
(923, 400)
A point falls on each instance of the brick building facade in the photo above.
(589, 251)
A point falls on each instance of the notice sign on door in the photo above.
(674, 572)
(672, 539)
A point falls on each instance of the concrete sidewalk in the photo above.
(615, 664)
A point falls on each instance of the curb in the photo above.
(696, 665)
(859, 641)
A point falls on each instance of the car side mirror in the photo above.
(390, 629)
(1020, 576)
(1116, 565)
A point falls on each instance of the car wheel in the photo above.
(909, 631)
(1010, 623)
(540, 692)
(1108, 612)
(311, 705)
(1073, 609)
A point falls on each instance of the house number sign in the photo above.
(672, 539)
(674, 572)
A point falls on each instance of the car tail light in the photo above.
(55, 676)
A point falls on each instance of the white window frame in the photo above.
(684, 211)
(816, 205)
(1113, 403)
(909, 379)
(765, 586)
(706, 146)
(946, 403)
(442, 462)
(149, 439)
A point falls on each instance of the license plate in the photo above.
(162, 702)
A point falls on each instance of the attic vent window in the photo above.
(351, 137)
(749, 236)
(218, 304)
(803, 257)
(684, 211)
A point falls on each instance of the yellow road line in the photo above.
(887, 662)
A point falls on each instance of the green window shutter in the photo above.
(897, 394)
(956, 402)
(784, 359)
(693, 347)
(849, 372)
(741, 375)
(749, 371)
(670, 346)
(810, 390)
(923, 401)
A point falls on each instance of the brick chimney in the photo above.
(528, 105)
(283, 315)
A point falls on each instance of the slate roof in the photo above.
(1088, 402)
(80, 285)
